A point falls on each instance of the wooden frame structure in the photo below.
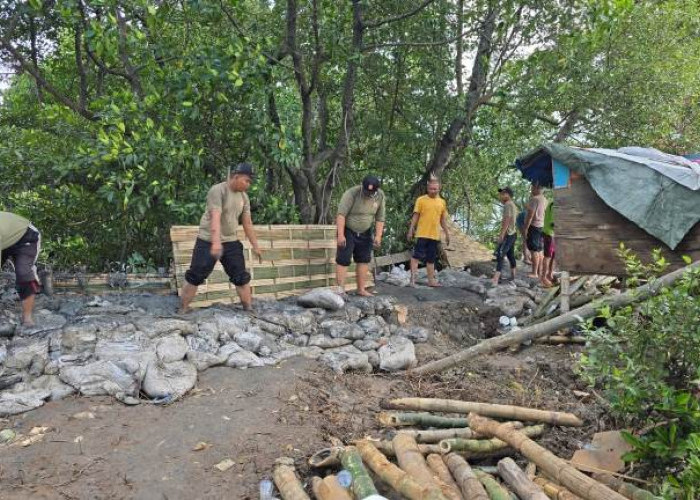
(296, 258)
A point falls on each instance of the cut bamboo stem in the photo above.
(553, 490)
(437, 435)
(484, 446)
(510, 412)
(396, 478)
(286, 480)
(398, 419)
(555, 324)
(560, 339)
(626, 489)
(362, 485)
(465, 477)
(327, 457)
(516, 478)
(553, 466)
(440, 470)
(329, 488)
(411, 460)
(531, 470)
(387, 447)
(493, 488)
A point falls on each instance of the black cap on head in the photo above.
(370, 184)
(506, 190)
(243, 169)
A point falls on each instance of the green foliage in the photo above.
(647, 362)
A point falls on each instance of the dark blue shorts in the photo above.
(358, 247)
(535, 240)
(426, 250)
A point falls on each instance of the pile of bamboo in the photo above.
(436, 449)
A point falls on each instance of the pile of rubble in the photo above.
(135, 348)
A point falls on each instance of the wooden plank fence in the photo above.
(296, 258)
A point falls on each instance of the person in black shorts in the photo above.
(227, 207)
(360, 207)
(534, 224)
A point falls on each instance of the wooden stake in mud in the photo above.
(411, 460)
(518, 480)
(440, 470)
(553, 490)
(484, 446)
(285, 478)
(485, 409)
(492, 487)
(466, 478)
(398, 479)
(553, 325)
(329, 488)
(553, 466)
(628, 490)
(437, 435)
(398, 419)
(362, 485)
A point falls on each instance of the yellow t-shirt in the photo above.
(430, 211)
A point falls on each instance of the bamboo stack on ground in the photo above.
(465, 477)
(362, 485)
(398, 419)
(509, 412)
(493, 488)
(516, 478)
(628, 490)
(395, 477)
(437, 435)
(553, 466)
(329, 488)
(484, 446)
(285, 478)
(411, 460)
(387, 447)
(440, 470)
(553, 490)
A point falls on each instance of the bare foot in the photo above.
(27, 322)
(434, 284)
(546, 283)
(534, 276)
(184, 310)
(364, 293)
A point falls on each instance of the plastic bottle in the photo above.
(344, 478)
(266, 488)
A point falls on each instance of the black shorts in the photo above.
(535, 242)
(203, 263)
(426, 250)
(24, 254)
(358, 246)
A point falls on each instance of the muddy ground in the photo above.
(255, 416)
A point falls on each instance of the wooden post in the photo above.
(564, 283)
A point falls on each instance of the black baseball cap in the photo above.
(370, 184)
(506, 190)
(243, 169)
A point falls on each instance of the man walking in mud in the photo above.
(507, 235)
(20, 242)
(429, 214)
(228, 207)
(360, 207)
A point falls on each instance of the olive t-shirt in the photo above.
(361, 211)
(538, 205)
(232, 205)
(12, 228)
(510, 210)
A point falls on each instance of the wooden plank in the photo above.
(588, 234)
(394, 258)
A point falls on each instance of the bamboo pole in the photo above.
(553, 490)
(484, 446)
(561, 339)
(519, 413)
(327, 457)
(328, 488)
(466, 478)
(398, 419)
(398, 479)
(555, 324)
(285, 478)
(565, 283)
(437, 435)
(545, 302)
(625, 489)
(516, 478)
(553, 466)
(387, 447)
(362, 485)
(411, 460)
(440, 470)
(493, 488)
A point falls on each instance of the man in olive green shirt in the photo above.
(21, 242)
(359, 208)
(227, 203)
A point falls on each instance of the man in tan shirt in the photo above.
(534, 224)
(227, 204)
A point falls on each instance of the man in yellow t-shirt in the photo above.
(429, 213)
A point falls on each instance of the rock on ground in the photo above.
(397, 354)
(322, 297)
(169, 380)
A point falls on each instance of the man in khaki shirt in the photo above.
(359, 208)
(227, 203)
(507, 235)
